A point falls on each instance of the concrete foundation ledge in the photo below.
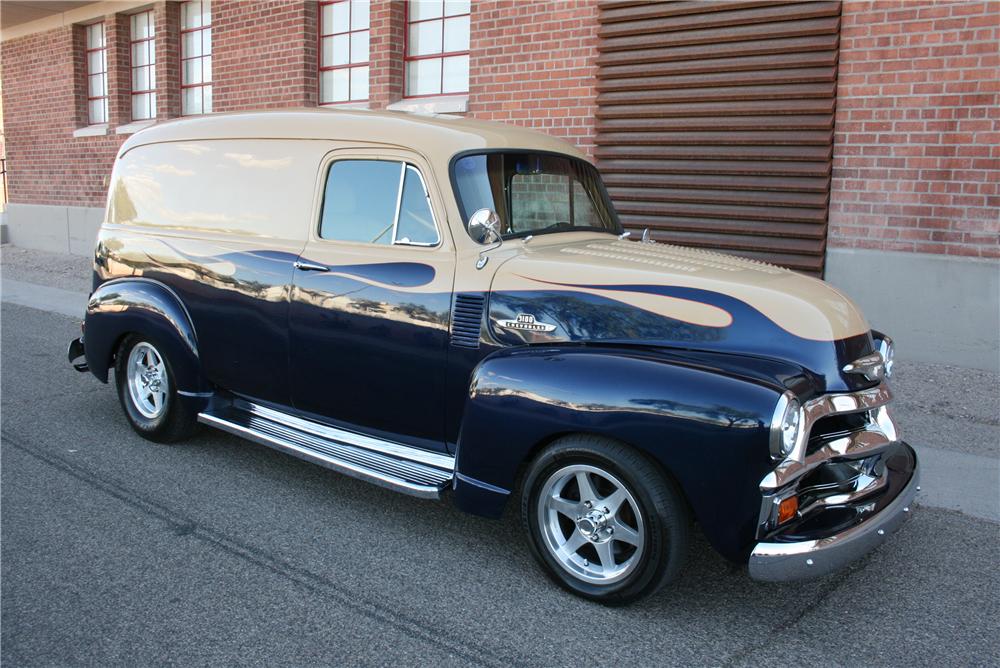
(937, 308)
(56, 229)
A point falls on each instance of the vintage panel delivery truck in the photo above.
(450, 307)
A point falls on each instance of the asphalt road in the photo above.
(117, 551)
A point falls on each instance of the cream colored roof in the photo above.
(436, 136)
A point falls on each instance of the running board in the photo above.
(392, 465)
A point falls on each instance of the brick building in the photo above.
(854, 140)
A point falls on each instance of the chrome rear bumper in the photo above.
(787, 561)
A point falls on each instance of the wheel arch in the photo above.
(703, 429)
(147, 308)
(536, 450)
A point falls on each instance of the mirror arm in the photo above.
(483, 258)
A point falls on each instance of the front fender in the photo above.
(707, 428)
(147, 307)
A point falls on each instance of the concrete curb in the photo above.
(44, 298)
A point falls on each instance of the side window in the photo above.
(376, 202)
(360, 201)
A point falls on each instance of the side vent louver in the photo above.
(466, 320)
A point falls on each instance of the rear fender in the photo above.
(149, 308)
(707, 429)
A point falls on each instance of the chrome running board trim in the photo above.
(404, 470)
(329, 433)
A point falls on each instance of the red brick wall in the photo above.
(917, 149)
(533, 63)
(264, 54)
(46, 164)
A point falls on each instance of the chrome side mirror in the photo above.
(484, 226)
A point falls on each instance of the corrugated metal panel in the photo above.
(715, 123)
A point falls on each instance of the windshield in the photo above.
(534, 193)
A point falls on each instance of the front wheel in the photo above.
(148, 393)
(603, 521)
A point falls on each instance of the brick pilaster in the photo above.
(386, 44)
(78, 58)
(264, 54)
(168, 59)
(117, 35)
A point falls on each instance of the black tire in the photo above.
(175, 422)
(666, 520)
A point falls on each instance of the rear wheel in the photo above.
(603, 521)
(148, 393)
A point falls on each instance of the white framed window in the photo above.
(97, 74)
(142, 49)
(437, 47)
(196, 57)
(343, 51)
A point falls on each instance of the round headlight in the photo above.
(785, 426)
(888, 352)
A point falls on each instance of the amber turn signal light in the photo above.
(787, 509)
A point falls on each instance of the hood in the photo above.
(602, 289)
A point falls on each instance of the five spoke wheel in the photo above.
(148, 391)
(148, 383)
(591, 523)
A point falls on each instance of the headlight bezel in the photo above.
(786, 426)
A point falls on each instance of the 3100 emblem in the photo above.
(526, 321)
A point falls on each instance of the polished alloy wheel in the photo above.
(591, 523)
(147, 380)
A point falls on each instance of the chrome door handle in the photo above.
(309, 266)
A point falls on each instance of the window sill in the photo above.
(133, 127)
(91, 131)
(444, 104)
(345, 105)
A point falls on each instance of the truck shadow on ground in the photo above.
(498, 547)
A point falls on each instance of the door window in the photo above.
(377, 202)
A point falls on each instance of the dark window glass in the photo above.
(360, 201)
(534, 193)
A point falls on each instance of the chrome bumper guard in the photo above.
(858, 456)
(784, 562)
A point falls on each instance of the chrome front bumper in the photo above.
(787, 561)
